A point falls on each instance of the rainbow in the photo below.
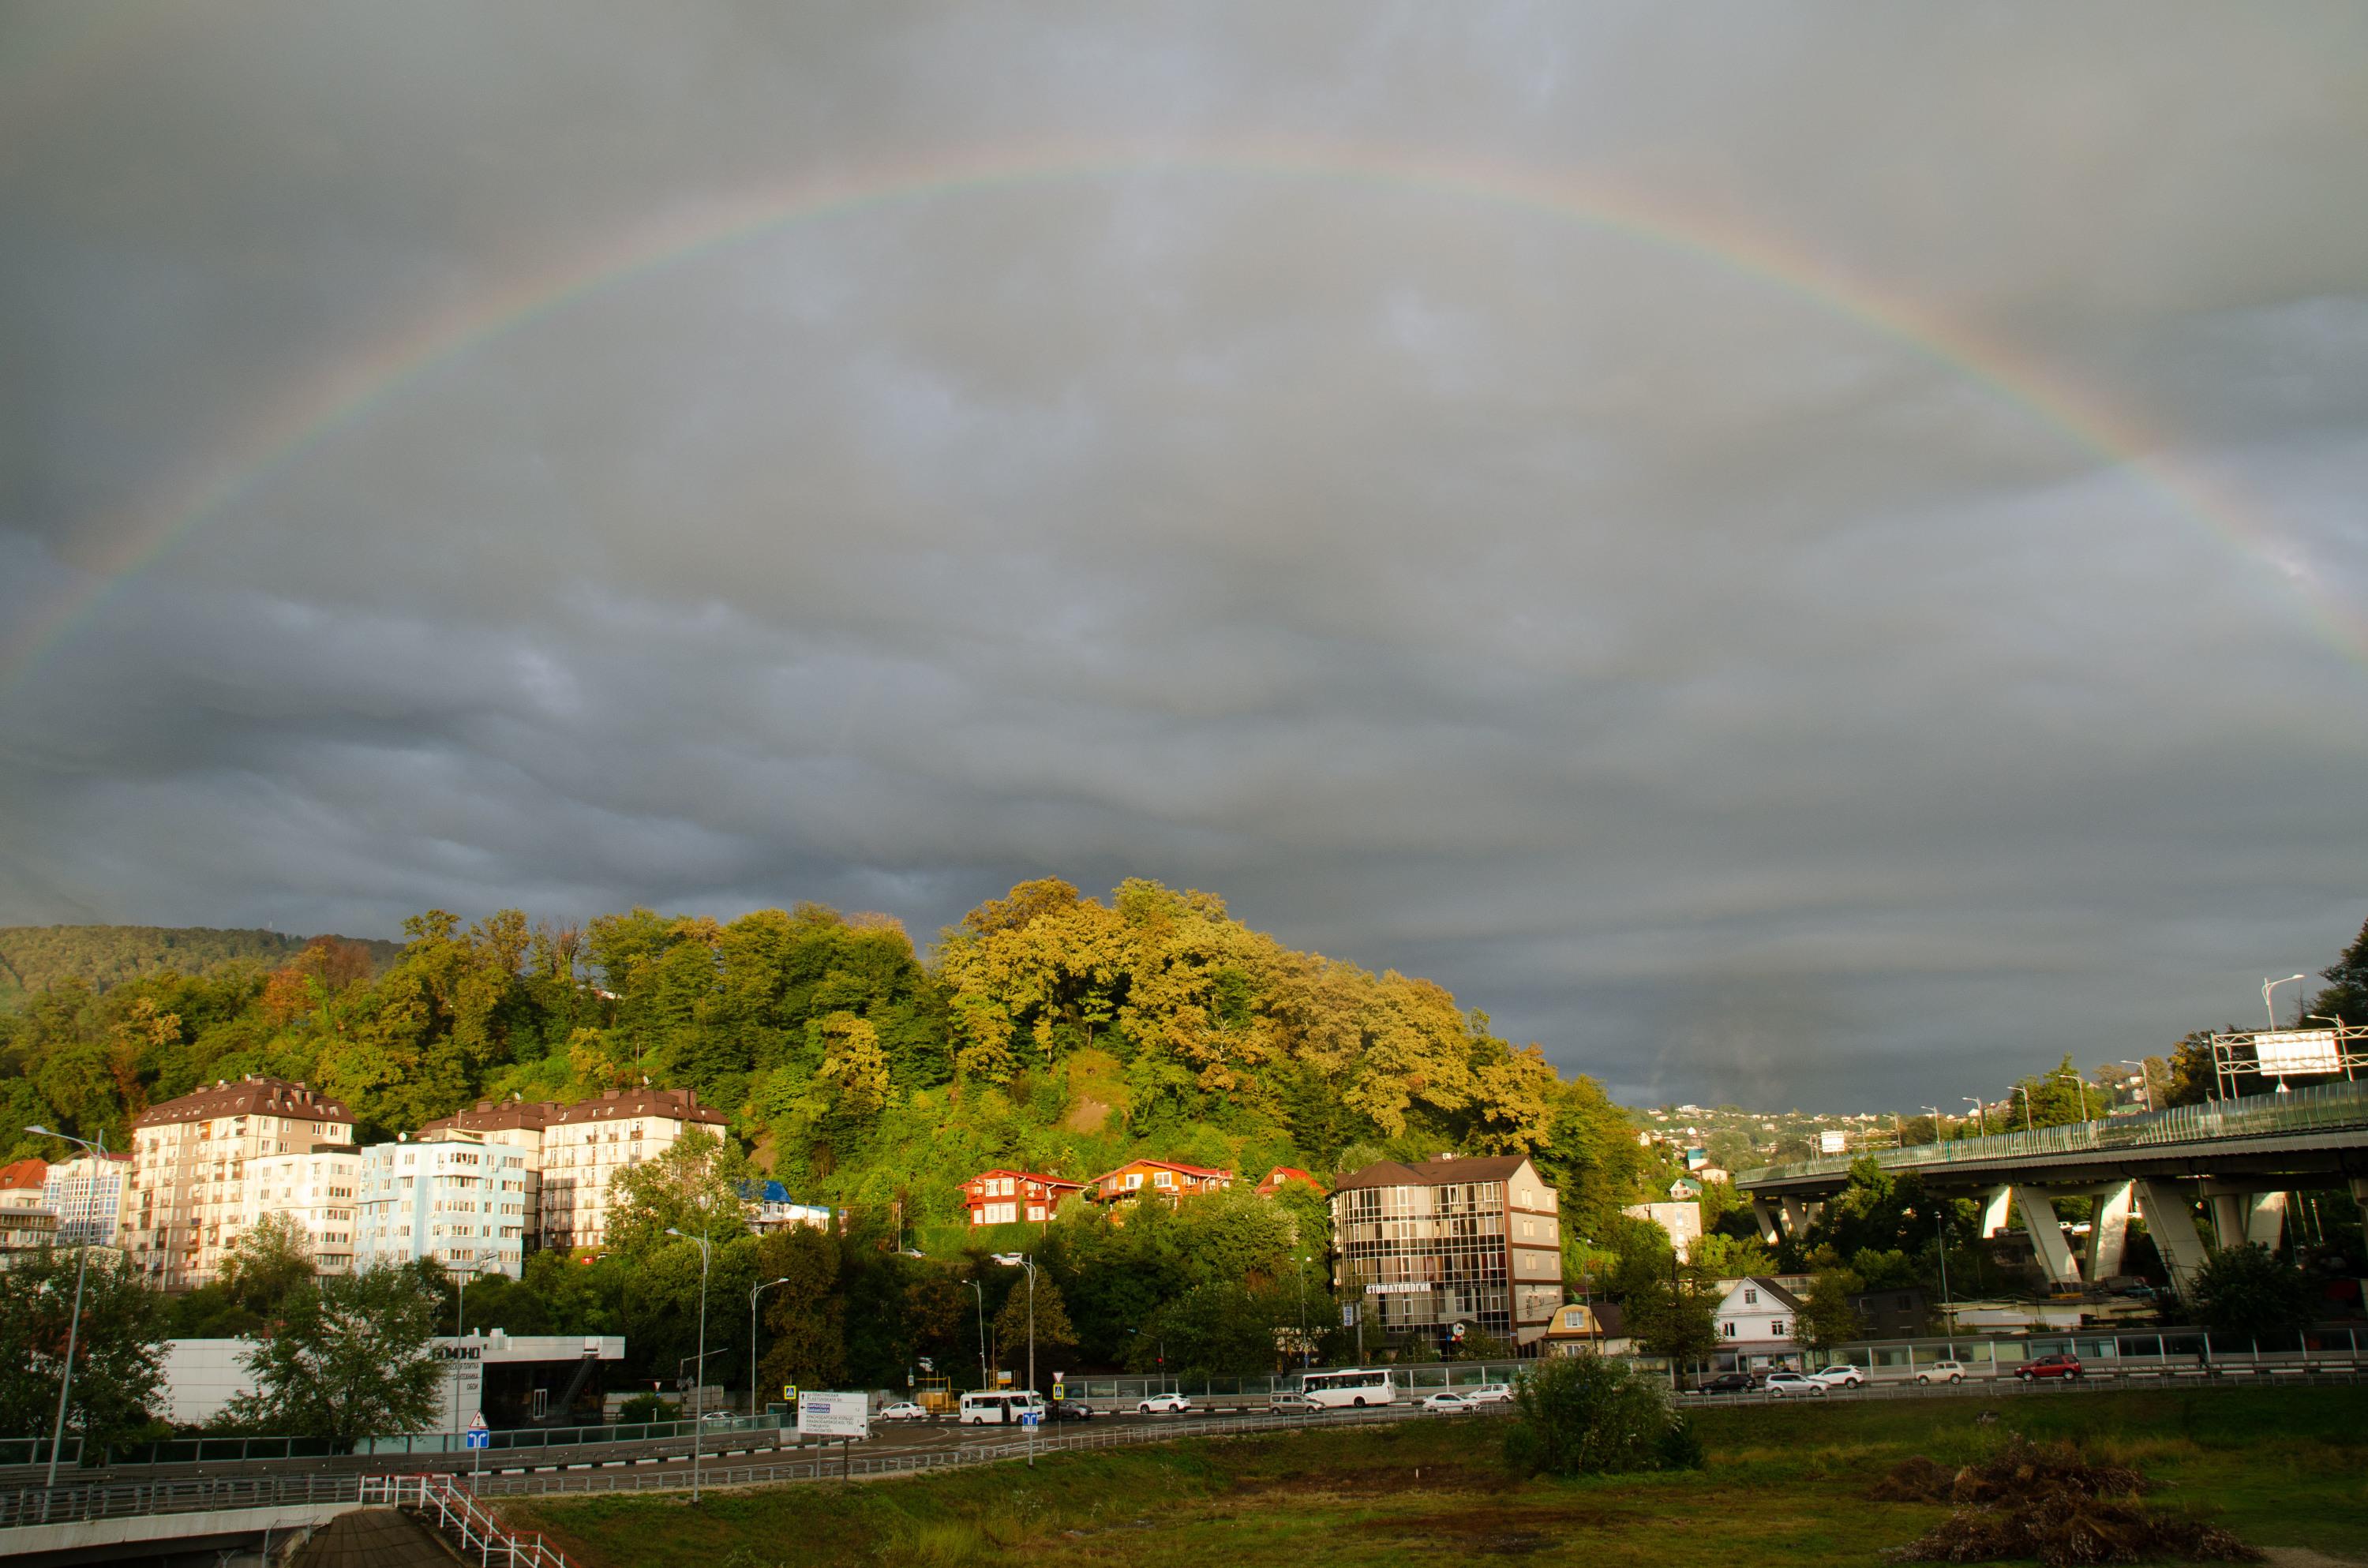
(349, 392)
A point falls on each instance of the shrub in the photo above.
(646, 1407)
(1588, 1416)
(2243, 1289)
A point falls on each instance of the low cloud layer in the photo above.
(1739, 699)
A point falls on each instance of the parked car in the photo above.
(1840, 1376)
(1283, 1402)
(904, 1410)
(1941, 1372)
(1165, 1405)
(1449, 1404)
(1489, 1393)
(1729, 1382)
(1072, 1410)
(2063, 1364)
(1789, 1385)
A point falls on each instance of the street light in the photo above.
(1940, 1133)
(1981, 1114)
(752, 1339)
(980, 1291)
(460, 1306)
(2026, 1105)
(2269, 986)
(74, 1324)
(1299, 1261)
(698, 1374)
(2146, 1083)
(2079, 1083)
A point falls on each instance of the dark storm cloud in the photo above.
(1738, 701)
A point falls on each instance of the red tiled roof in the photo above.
(1026, 1175)
(267, 1097)
(495, 1116)
(1164, 1165)
(25, 1173)
(1282, 1174)
(1434, 1173)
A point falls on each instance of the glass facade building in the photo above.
(1454, 1240)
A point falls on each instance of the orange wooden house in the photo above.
(1006, 1197)
(1159, 1179)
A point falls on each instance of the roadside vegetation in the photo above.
(1780, 1485)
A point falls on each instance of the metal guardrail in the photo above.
(2323, 1107)
(467, 1522)
(76, 1502)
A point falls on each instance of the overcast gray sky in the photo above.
(1463, 483)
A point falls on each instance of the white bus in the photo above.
(993, 1408)
(1355, 1386)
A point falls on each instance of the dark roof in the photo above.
(495, 1116)
(1434, 1173)
(1783, 1298)
(681, 1104)
(267, 1097)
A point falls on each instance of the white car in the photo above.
(1941, 1372)
(1489, 1393)
(1164, 1405)
(904, 1410)
(1840, 1376)
(1786, 1385)
(1450, 1404)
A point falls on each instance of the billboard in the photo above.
(1833, 1142)
(2282, 1051)
(834, 1414)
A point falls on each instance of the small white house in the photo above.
(1756, 1318)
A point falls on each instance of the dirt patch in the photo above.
(1482, 1530)
(2045, 1503)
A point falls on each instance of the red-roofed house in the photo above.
(1006, 1198)
(1281, 1175)
(1165, 1179)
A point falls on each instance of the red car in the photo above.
(2063, 1364)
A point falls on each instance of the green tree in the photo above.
(807, 1316)
(2246, 1289)
(118, 1347)
(267, 1265)
(696, 1187)
(1827, 1318)
(351, 1359)
(1054, 1334)
(1588, 1414)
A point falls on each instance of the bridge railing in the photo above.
(70, 1504)
(2322, 1108)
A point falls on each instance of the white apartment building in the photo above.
(185, 1201)
(516, 1123)
(320, 1191)
(27, 1223)
(586, 1144)
(87, 1195)
(452, 1197)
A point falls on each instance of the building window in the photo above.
(1776, 1327)
(1161, 1178)
(1751, 1298)
(1726, 1331)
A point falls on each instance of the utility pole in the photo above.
(74, 1324)
(699, 1373)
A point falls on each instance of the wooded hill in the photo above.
(1046, 1031)
(41, 958)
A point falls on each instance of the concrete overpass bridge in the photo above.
(2237, 1159)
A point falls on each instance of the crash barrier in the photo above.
(80, 1501)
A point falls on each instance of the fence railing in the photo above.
(71, 1503)
(232, 1450)
(2322, 1108)
(463, 1520)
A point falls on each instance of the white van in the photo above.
(995, 1407)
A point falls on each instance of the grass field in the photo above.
(1785, 1485)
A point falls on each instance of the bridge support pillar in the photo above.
(2360, 1191)
(1796, 1218)
(2048, 1237)
(2227, 1218)
(2170, 1220)
(1767, 1218)
(1995, 1211)
(2109, 1232)
(2266, 1226)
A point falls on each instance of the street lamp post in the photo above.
(74, 1321)
(1940, 1133)
(1299, 1261)
(460, 1313)
(2026, 1105)
(2078, 1082)
(2269, 986)
(2146, 1085)
(981, 1292)
(1981, 1114)
(752, 1340)
(699, 1372)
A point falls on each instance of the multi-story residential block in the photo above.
(27, 1224)
(320, 1191)
(1159, 1179)
(185, 1197)
(453, 1197)
(586, 1143)
(1453, 1240)
(518, 1124)
(87, 1195)
(1004, 1197)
